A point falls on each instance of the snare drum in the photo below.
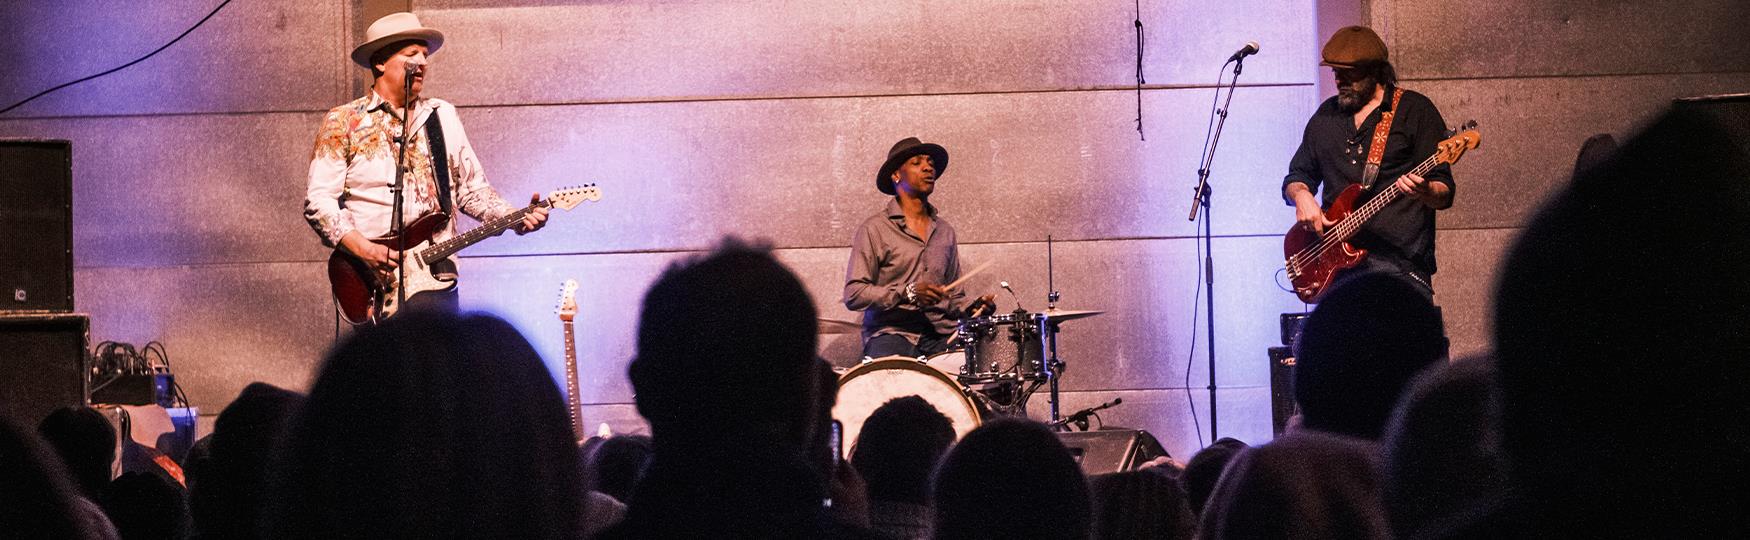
(872, 384)
(1002, 346)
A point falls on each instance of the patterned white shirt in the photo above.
(353, 165)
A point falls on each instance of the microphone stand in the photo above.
(395, 214)
(1080, 418)
(1200, 199)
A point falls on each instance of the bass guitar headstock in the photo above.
(1455, 146)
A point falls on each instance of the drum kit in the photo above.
(992, 367)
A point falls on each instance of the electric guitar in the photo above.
(568, 311)
(363, 298)
(1313, 259)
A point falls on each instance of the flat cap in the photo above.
(1353, 46)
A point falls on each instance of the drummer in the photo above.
(903, 258)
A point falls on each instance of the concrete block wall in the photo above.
(767, 119)
(1539, 78)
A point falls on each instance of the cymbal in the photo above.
(835, 326)
(1070, 314)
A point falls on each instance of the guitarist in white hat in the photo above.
(349, 201)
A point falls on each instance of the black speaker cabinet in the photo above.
(1282, 405)
(36, 226)
(43, 358)
(1111, 450)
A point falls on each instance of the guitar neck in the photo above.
(574, 405)
(1359, 217)
(443, 250)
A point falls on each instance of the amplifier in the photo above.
(1282, 405)
(44, 359)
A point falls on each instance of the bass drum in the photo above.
(872, 384)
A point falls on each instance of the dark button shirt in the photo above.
(885, 257)
(1333, 153)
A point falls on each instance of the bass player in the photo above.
(1373, 133)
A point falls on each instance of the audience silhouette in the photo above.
(226, 486)
(897, 450)
(1011, 478)
(737, 401)
(1144, 503)
(86, 444)
(429, 426)
(1205, 469)
(1621, 344)
(37, 496)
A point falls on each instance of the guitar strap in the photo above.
(1376, 149)
(440, 160)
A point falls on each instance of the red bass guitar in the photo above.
(1314, 259)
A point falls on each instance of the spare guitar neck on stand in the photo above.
(567, 312)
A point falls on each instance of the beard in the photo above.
(1351, 97)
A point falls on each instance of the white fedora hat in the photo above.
(392, 28)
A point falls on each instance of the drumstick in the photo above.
(974, 272)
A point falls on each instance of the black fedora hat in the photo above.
(904, 150)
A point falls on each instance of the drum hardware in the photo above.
(1053, 366)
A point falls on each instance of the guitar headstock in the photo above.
(565, 199)
(568, 300)
(1454, 147)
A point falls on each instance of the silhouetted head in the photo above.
(430, 425)
(616, 463)
(898, 448)
(1205, 469)
(726, 344)
(148, 504)
(1358, 351)
(85, 441)
(37, 496)
(1620, 332)
(1140, 504)
(1011, 478)
(1441, 453)
(225, 491)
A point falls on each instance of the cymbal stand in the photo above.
(1052, 366)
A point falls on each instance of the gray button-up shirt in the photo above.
(885, 257)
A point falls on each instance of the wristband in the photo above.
(911, 293)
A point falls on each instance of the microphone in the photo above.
(1251, 48)
(407, 80)
(1005, 286)
(1080, 417)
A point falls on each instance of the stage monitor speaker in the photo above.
(36, 213)
(43, 358)
(1111, 450)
